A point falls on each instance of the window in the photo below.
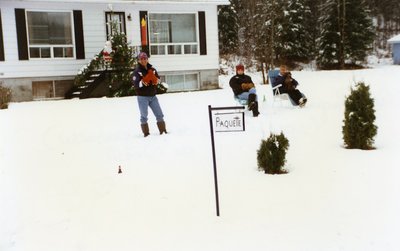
(173, 34)
(119, 19)
(183, 82)
(50, 89)
(50, 34)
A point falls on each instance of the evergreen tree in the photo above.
(123, 59)
(334, 32)
(346, 33)
(296, 36)
(312, 26)
(247, 27)
(263, 39)
(268, 26)
(359, 116)
(329, 40)
(228, 28)
(279, 10)
(359, 32)
(271, 156)
(387, 19)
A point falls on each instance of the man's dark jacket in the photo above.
(280, 80)
(237, 81)
(138, 74)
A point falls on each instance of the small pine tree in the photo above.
(359, 116)
(271, 156)
(123, 59)
(120, 67)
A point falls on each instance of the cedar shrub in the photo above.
(271, 156)
(359, 129)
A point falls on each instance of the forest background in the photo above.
(331, 34)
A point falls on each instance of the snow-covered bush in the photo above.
(359, 116)
(271, 157)
(5, 96)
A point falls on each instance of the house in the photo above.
(395, 41)
(44, 43)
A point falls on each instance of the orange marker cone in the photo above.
(119, 169)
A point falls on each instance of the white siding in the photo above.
(95, 35)
(12, 67)
(190, 62)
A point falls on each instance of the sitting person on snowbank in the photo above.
(243, 88)
(289, 86)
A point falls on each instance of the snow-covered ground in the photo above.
(60, 190)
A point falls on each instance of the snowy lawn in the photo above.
(60, 190)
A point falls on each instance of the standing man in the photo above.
(243, 88)
(145, 80)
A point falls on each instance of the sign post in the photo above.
(232, 121)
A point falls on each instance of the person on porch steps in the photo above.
(243, 88)
(145, 79)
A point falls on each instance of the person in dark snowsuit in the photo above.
(289, 86)
(243, 88)
(145, 79)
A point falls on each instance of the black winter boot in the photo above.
(255, 109)
(161, 127)
(251, 102)
(145, 129)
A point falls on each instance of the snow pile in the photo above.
(60, 188)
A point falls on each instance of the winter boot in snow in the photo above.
(145, 129)
(161, 127)
(251, 102)
(255, 109)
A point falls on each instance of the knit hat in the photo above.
(239, 67)
(142, 55)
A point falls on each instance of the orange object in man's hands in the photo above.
(150, 77)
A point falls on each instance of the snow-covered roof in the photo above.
(395, 39)
(217, 2)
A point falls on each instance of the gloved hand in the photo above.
(150, 77)
(247, 86)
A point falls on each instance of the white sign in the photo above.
(228, 122)
(223, 122)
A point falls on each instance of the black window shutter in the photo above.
(79, 41)
(22, 38)
(202, 33)
(1, 41)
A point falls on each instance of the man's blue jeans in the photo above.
(149, 101)
(245, 95)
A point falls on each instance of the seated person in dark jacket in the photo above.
(289, 86)
(243, 88)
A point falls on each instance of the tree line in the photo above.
(337, 34)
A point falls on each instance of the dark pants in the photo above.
(295, 95)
